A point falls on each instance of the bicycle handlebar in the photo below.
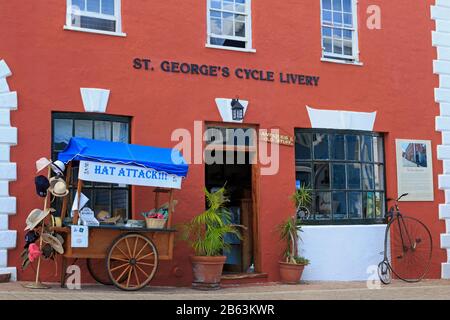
(398, 199)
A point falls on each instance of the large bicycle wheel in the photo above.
(411, 248)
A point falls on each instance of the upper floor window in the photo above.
(99, 16)
(229, 24)
(340, 30)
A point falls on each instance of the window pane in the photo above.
(347, 5)
(378, 149)
(366, 149)
(320, 143)
(78, 4)
(120, 203)
(326, 32)
(337, 46)
(216, 4)
(339, 205)
(379, 177)
(62, 133)
(97, 24)
(337, 5)
(102, 201)
(303, 146)
(93, 6)
(239, 29)
(321, 176)
(303, 175)
(327, 45)
(338, 176)
(227, 28)
(354, 176)
(369, 205)
(379, 204)
(108, 7)
(352, 147)
(326, 16)
(216, 26)
(240, 7)
(347, 34)
(326, 4)
(337, 147)
(337, 33)
(348, 48)
(83, 129)
(102, 130)
(337, 19)
(348, 20)
(323, 205)
(368, 177)
(355, 205)
(120, 132)
(228, 5)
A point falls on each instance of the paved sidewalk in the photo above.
(430, 290)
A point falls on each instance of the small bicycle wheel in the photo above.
(132, 261)
(411, 248)
(384, 272)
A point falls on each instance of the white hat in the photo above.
(35, 217)
(42, 163)
(58, 187)
(58, 167)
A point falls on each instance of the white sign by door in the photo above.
(124, 174)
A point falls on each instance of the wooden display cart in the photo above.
(127, 257)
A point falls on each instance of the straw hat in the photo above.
(58, 187)
(35, 217)
(42, 163)
(53, 241)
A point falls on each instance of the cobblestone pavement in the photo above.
(430, 289)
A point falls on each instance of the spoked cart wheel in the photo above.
(411, 248)
(96, 268)
(132, 261)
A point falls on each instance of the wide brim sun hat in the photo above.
(36, 216)
(53, 241)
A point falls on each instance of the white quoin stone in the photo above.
(3, 258)
(446, 166)
(8, 135)
(4, 85)
(447, 198)
(445, 241)
(440, 39)
(445, 109)
(4, 188)
(3, 222)
(444, 181)
(5, 117)
(442, 123)
(8, 171)
(8, 205)
(4, 69)
(442, 95)
(446, 138)
(8, 239)
(95, 100)
(444, 54)
(4, 153)
(443, 152)
(445, 270)
(444, 211)
(8, 100)
(441, 67)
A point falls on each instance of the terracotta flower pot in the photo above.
(207, 272)
(291, 273)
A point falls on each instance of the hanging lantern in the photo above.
(237, 110)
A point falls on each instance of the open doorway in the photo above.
(238, 180)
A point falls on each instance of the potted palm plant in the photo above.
(291, 268)
(206, 235)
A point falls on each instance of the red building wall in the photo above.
(50, 65)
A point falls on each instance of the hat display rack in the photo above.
(40, 165)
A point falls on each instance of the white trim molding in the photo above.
(440, 12)
(8, 170)
(341, 120)
(95, 100)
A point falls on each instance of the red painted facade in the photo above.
(50, 65)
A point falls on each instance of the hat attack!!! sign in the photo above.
(125, 174)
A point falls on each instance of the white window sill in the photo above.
(352, 63)
(211, 46)
(108, 33)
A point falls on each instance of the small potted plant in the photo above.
(206, 235)
(291, 268)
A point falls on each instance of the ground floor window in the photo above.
(112, 198)
(346, 173)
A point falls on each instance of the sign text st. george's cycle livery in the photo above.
(226, 72)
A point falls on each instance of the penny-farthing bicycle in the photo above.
(408, 247)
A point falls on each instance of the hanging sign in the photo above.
(125, 174)
(79, 237)
(277, 138)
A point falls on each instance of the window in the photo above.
(345, 170)
(99, 16)
(229, 24)
(113, 198)
(340, 30)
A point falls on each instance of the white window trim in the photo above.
(248, 31)
(355, 40)
(117, 17)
